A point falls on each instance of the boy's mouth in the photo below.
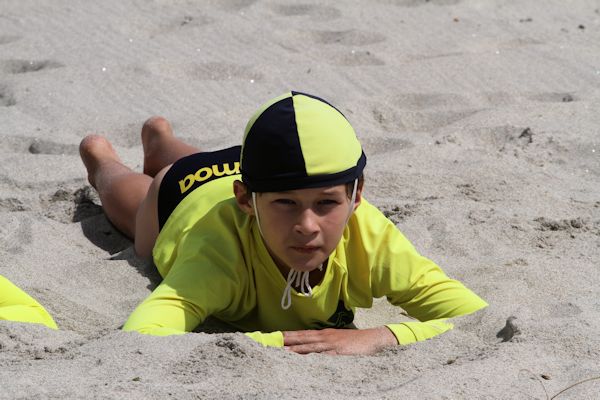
(305, 249)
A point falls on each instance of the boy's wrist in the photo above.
(387, 337)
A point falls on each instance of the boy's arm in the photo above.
(206, 278)
(16, 305)
(420, 287)
(164, 313)
(394, 269)
(432, 305)
(193, 290)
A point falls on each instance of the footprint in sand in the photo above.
(356, 58)
(233, 5)
(568, 225)
(519, 43)
(67, 206)
(351, 37)
(26, 66)
(393, 119)
(503, 138)
(496, 99)
(554, 97)
(476, 216)
(41, 146)
(469, 191)
(422, 112)
(443, 237)
(177, 23)
(381, 145)
(20, 144)
(398, 213)
(552, 229)
(209, 71)
(7, 98)
(15, 233)
(11, 204)
(310, 10)
(565, 310)
(420, 101)
(218, 71)
(535, 147)
(6, 39)
(418, 3)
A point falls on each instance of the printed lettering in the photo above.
(205, 173)
(186, 183)
(226, 169)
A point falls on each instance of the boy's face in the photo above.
(302, 227)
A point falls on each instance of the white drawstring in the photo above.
(301, 279)
(256, 213)
(352, 200)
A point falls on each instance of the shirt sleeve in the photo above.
(16, 305)
(199, 284)
(271, 339)
(416, 284)
(165, 312)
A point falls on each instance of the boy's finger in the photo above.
(291, 338)
(310, 348)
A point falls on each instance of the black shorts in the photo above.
(191, 172)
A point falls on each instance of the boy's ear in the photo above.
(243, 197)
(358, 198)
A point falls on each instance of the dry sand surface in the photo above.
(480, 121)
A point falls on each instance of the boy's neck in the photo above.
(315, 277)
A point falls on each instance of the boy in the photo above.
(294, 249)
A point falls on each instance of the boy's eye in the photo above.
(328, 202)
(285, 201)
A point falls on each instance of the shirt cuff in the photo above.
(272, 339)
(411, 332)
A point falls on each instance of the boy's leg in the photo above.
(130, 199)
(146, 221)
(161, 150)
(121, 190)
(161, 147)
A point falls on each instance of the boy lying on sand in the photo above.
(289, 253)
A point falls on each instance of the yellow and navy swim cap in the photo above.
(298, 141)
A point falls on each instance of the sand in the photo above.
(480, 121)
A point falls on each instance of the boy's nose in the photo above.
(307, 223)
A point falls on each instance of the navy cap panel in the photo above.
(274, 137)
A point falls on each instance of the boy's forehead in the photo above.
(330, 190)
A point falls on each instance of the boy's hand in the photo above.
(339, 341)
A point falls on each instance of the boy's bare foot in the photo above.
(96, 152)
(156, 133)
(161, 147)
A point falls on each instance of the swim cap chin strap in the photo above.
(299, 278)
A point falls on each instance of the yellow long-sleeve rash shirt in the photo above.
(220, 266)
(16, 305)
